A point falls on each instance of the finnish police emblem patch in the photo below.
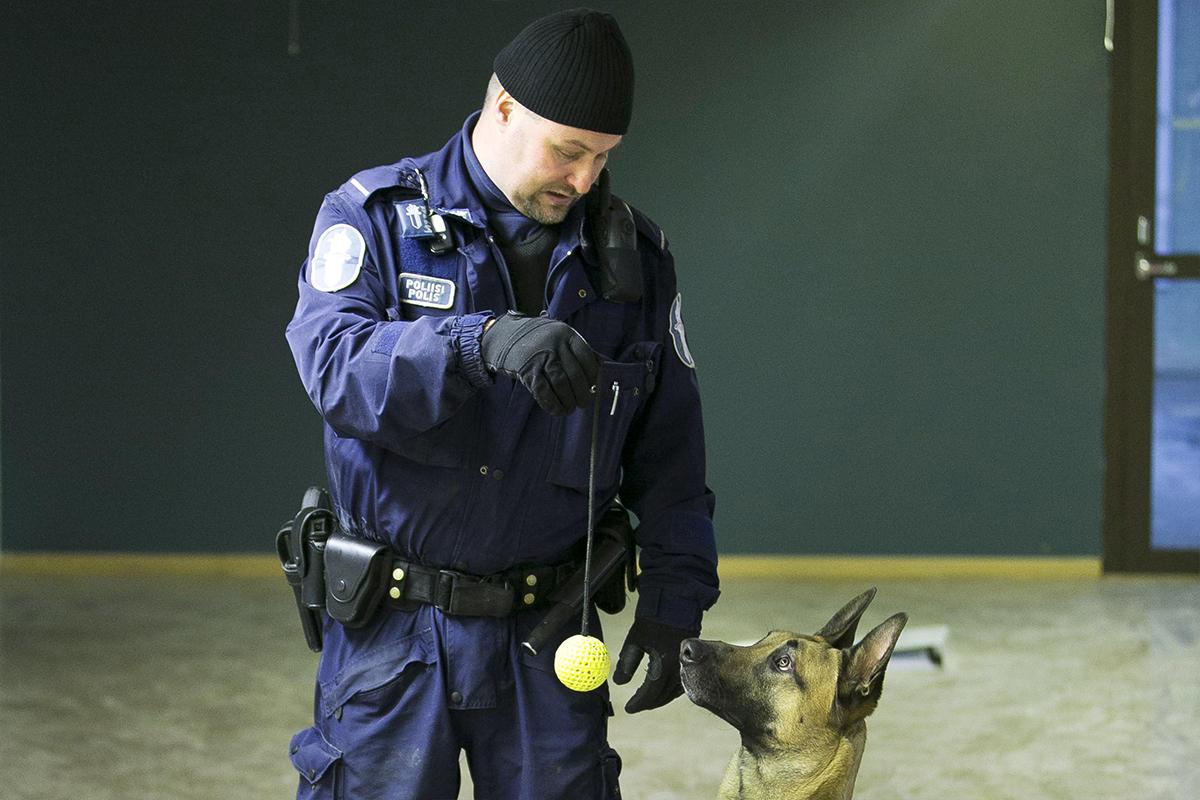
(414, 222)
(337, 258)
(677, 333)
(427, 291)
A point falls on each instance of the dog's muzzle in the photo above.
(693, 651)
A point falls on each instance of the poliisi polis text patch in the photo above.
(425, 290)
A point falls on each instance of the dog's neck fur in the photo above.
(826, 772)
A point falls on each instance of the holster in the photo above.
(300, 545)
(356, 576)
(613, 531)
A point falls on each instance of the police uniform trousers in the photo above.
(397, 700)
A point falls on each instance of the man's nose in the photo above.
(581, 179)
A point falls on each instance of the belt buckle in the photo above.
(445, 589)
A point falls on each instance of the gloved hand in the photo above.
(661, 642)
(549, 357)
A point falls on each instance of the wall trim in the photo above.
(139, 564)
(731, 566)
(908, 567)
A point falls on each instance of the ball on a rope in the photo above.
(582, 663)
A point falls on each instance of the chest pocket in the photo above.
(428, 284)
(605, 325)
(624, 386)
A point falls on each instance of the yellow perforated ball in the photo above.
(581, 663)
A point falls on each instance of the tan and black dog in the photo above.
(798, 701)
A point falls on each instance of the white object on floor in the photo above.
(920, 648)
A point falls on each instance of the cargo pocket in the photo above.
(319, 764)
(378, 683)
(623, 387)
(610, 773)
(429, 285)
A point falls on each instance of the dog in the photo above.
(799, 703)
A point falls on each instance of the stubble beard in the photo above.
(542, 212)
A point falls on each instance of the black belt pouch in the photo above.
(356, 573)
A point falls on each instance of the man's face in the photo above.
(550, 166)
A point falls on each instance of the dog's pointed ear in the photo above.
(863, 665)
(839, 631)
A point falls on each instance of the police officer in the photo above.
(456, 327)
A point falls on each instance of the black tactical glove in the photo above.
(661, 642)
(549, 357)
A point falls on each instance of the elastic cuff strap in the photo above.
(668, 608)
(465, 336)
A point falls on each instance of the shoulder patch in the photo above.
(677, 333)
(337, 258)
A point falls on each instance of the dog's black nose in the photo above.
(692, 651)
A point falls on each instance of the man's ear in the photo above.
(861, 681)
(839, 631)
(502, 107)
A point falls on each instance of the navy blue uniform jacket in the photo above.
(457, 468)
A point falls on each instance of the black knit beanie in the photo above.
(572, 67)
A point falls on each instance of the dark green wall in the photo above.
(888, 220)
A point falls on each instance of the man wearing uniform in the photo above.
(455, 328)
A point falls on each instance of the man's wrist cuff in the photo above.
(668, 608)
(465, 335)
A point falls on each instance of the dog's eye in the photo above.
(783, 663)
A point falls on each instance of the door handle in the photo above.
(1146, 268)
(1109, 21)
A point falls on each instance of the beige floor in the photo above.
(158, 688)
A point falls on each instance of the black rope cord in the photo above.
(591, 516)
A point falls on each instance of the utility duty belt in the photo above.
(458, 593)
(349, 578)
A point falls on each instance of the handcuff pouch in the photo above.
(356, 576)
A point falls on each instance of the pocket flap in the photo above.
(312, 755)
(381, 665)
(646, 354)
